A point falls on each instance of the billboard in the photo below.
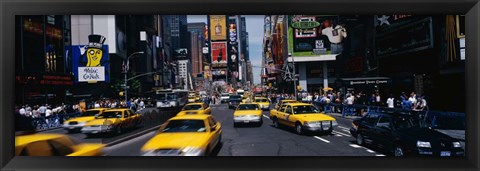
(218, 27)
(89, 64)
(219, 54)
(180, 53)
(307, 34)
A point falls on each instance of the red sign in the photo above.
(219, 54)
(45, 79)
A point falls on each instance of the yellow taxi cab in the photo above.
(195, 108)
(187, 135)
(247, 113)
(304, 118)
(263, 102)
(54, 145)
(76, 124)
(113, 121)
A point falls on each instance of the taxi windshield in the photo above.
(192, 107)
(112, 114)
(307, 109)
(261, 100)
(185, 126)
(90, 113)
(248, 107)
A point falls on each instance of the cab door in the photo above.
(215, 131)
(283, 116)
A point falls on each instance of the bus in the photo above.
(171, 98)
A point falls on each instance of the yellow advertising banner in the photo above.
(218, 25)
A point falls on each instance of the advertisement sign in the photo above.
(305, 34)
(218, 29)
(91, 74)
(219, 54)
(90, 62)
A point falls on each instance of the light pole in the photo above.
(294, 78)
(126, 71)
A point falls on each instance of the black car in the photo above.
(233, 101)
(403, 135)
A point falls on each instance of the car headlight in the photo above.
(106, 127)
(457, 145)
(192, 151)
(312, 124)
(423, 144)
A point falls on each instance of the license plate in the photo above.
(246, 121)
(445, 153)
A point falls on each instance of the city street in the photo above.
(265, 140)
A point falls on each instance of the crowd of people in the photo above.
(337, 102)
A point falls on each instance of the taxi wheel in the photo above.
(398, 151)
(118, 130)
(299, 129)
(275, 123)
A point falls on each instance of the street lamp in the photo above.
(126, 71)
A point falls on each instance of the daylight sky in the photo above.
(255, 34)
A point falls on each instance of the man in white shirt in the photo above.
(390, 102)
(22, 111)
(335, 34)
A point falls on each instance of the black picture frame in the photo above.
(10, 8)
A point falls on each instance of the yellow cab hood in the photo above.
(107, 121)
(314, 117)
(247, 112)
(88, 149)
(81, 119)
(177, 140)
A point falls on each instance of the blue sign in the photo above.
(89, 58)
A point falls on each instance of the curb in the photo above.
(132, 136)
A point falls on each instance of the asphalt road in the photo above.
(265, 140)
(106, 139)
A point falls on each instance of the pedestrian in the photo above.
(348, 106)
(48, 114)
(391, 102)
(22, 111)
(142, 105)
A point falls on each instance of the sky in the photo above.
(255, 34)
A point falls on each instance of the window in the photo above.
(288, 110)
(384, 122)
(39, 148)
(212, 122)
(59, 149)
(371, 119)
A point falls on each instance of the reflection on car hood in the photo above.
(424, 134)
(247, 112)
(107, 121)
(314, 117)
(81, 119)
(176, 140)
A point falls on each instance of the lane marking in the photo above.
(355, 146)
(342, 127)
(346, 130)
(324, 140)
(370, 151)
(379, 155)
(337, 135)
(266, 116)
(336, 132)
